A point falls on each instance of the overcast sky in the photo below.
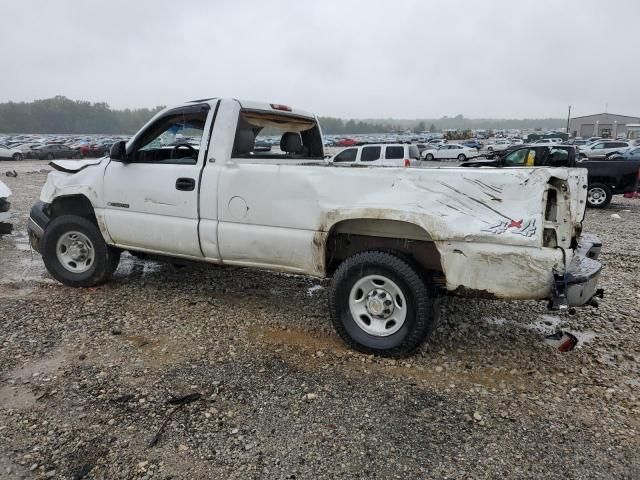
(402, 59)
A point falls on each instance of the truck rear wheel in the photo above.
(598, 195)
(381, 305)
(75, 253)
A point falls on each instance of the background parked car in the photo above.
(10, 153)
(450, 151)
(346, 142)
(51, 151)
(601, 148)
(473, 144)
(387, 155)
(632, 153)
(499, 145)
(99, 149)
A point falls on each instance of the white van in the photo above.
(382, 154)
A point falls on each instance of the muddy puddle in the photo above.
(16, 392)
(312, 351)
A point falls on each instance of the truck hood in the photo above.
(73, 166)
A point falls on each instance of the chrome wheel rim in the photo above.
(75, 252)
(597, 196)
(378, 305)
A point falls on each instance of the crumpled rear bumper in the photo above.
(578, 284)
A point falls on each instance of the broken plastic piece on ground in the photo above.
(563, 341)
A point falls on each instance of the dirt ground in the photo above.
(87, 376)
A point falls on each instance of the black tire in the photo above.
(598, 195)
(429, 157)
(421, 300)
(17, 157)
(50, 156)
(106, 258)
(461, 157)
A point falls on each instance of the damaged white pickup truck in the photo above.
(191, 185)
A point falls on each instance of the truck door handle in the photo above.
(185, 184)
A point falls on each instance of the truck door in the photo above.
(151, 198)
(268, 209)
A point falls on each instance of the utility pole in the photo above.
(568, 120)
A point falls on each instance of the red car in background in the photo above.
(346, 142)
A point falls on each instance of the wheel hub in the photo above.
(379, 303)
(78, 251)
(596, 195)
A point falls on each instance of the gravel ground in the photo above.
(86, 376)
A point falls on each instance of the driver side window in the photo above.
(520, 158)
(173, 138)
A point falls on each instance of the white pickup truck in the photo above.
(393, 239)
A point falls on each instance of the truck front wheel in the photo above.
(75, 253)
(381, 305)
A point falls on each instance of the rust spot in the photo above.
(318, 252)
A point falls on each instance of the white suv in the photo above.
(382, 154)
(498, 145)
(602, 148)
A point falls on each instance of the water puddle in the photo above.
(15, 392)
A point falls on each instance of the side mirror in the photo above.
(119, 151)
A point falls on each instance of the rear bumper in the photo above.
(38, 221)
(578, 284)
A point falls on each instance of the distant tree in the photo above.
(62, 115)
(421, 127)
(432, 128)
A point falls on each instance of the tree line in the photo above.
(62, 115)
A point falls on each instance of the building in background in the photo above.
(606, 125)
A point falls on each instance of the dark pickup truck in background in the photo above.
(615, 175)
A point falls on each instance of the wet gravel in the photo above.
(87, 376)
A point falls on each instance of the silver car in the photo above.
(602, 148)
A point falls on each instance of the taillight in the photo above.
(407, 163)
